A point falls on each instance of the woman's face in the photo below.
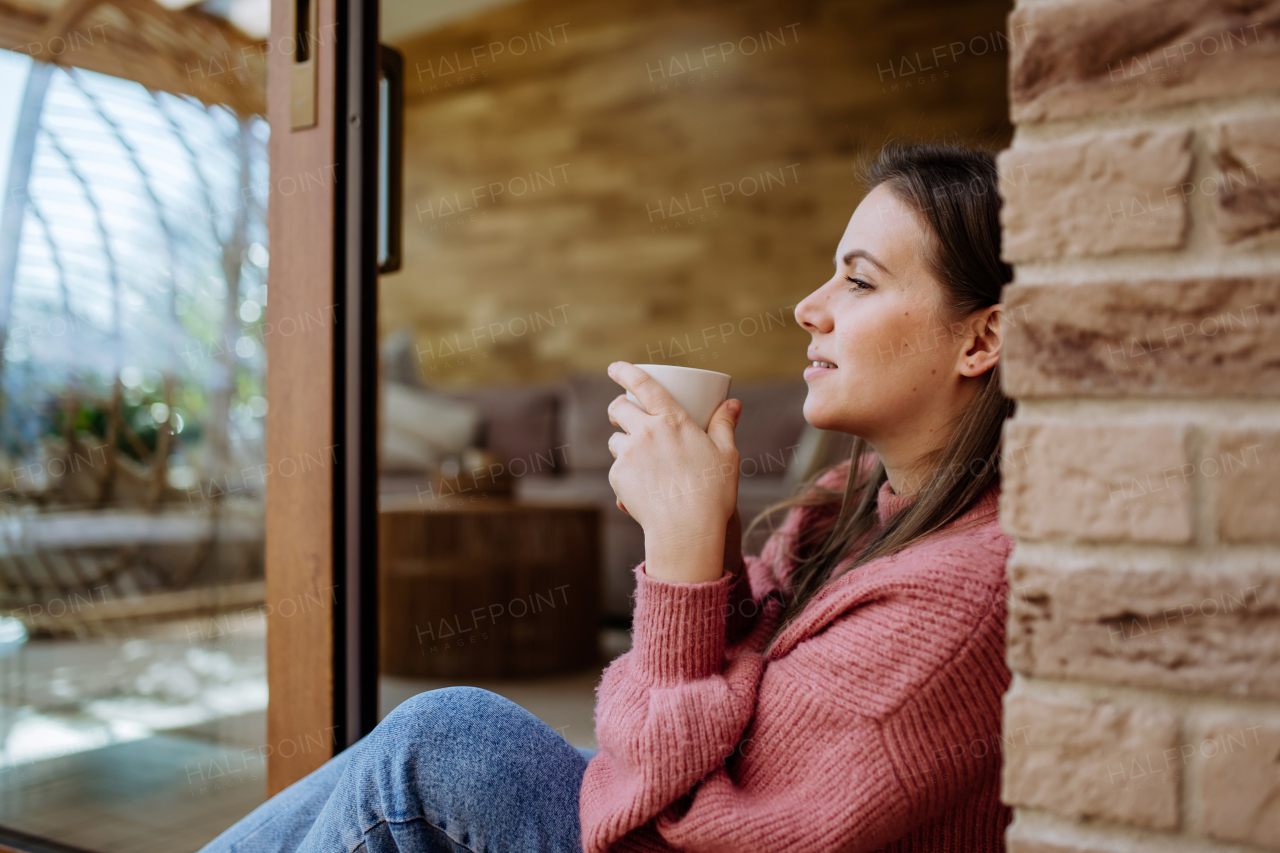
(881, 320)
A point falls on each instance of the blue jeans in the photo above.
(455, 770)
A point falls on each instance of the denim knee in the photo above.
(467, 750)
(444, 705)
(463, 724)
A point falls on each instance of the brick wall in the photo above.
(600, 126)
(1142, 204)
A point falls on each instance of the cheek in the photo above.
(877, 342)
(897, 352)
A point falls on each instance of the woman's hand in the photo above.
(733, 563)
(679, 482)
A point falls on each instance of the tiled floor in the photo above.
(163, 794)
(564, 702)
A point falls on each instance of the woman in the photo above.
(842, 690)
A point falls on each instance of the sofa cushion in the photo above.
(420, 427)
(585, 423)
(519, 425)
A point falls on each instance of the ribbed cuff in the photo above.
(678, 629)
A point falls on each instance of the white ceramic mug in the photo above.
(699, 392)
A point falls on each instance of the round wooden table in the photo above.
(487, 587)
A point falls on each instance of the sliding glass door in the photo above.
(187, 386)
(133, 297)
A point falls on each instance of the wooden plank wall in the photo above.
(593, 121)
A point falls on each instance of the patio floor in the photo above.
(175, 790)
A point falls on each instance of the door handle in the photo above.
(390, 157)
(302, 71)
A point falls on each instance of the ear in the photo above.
(981, 349)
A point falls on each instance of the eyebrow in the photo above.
(863, 253)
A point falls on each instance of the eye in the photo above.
(859, 285)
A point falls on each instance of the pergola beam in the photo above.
(184, 52)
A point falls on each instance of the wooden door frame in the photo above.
(321, 515)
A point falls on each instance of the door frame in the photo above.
(356, 406)
(321, 519)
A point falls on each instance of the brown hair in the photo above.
(954, 189)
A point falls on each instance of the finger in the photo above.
(625, 414)
(723, 421)
(652, 396)
(617, 442)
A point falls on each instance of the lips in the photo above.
(818, 367)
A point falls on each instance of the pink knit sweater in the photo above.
(873, 724)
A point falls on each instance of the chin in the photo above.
(823, 417)
(817, 418)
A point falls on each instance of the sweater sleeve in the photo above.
(668, 711)
(843, 738)
(673, 708)
(847, 770)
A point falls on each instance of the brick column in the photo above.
(1142, 470)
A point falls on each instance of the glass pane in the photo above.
(132, 638)
(658, 183)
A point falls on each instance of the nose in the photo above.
(812, 313)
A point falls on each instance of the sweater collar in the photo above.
(888, 503)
